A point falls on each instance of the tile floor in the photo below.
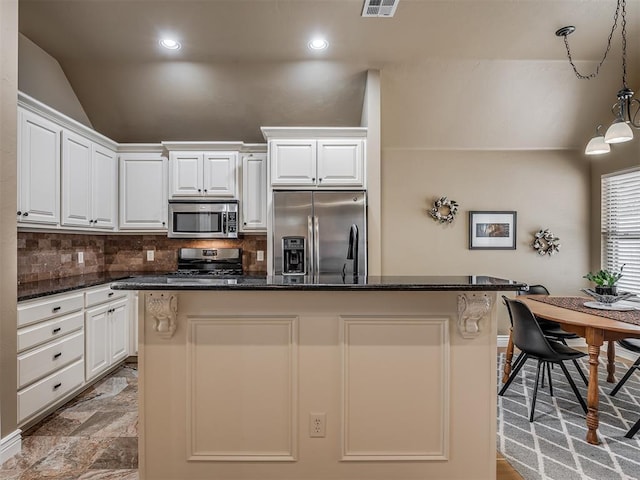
(93, 437)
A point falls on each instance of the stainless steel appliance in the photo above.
(203, 219)
(209, 261)
(293, 251)
(319, 232)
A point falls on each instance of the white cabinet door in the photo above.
(38, 169)
(103, 187)
(186, 174)
(143, 191)
(254, 192)
(107, 336)
(293, 162)
(340, 162)
(76, 179)
(97, 333)
(119, 324)
(219, 174)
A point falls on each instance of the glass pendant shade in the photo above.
(597, 146)
(618, 132)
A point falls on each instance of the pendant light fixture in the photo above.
(626, 108)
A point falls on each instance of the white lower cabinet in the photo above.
(66, 340)
(45, 392)
(40, 362)
(50, 340)
(107, 336)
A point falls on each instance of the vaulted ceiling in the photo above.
(245, 63)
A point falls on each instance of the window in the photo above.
(621, 227)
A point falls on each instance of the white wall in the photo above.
(40, 76)
(433, 146)
(8, 153)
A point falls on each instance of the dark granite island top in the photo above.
(321, 283)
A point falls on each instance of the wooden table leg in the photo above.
(611, 358)
(595, 339)
(506, 371)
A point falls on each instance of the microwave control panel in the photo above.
(232, 222)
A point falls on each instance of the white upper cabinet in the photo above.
(143, 191)
(104, 187)
(219, 174)
(88, 183)
(67, 172)
(254, 192)
(38, 169)
(186, 173)
(293, 162)
(327, 157)
(340, 162)
(203, 174)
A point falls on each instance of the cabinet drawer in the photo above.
(101, 295)
(49, 389)
(33, 335)
(55, 306)
(50, 357)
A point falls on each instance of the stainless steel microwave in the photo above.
(203, 219)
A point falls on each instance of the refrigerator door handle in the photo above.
(310, 245)
(316, 245)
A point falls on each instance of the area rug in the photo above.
(553, 446)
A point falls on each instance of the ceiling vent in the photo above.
(379, 8)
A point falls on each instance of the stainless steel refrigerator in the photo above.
(320, 233)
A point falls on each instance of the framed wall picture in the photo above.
(492, 230)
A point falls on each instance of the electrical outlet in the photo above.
(150, 255)
(317, 424)
(80, 257)
(260, 255)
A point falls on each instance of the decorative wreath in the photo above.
(444, 210)
(546, 243)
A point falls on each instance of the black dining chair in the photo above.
(552, 329)
(632, 344)
(529, 338)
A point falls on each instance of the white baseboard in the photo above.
(580, 342)
(10, 445)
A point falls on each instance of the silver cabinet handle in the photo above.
(309, 267)
(316, 245)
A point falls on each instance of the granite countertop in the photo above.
(323, 282)
(42, 288)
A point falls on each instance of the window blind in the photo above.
(621, 227)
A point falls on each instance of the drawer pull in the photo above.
(55, 309)
(57, 355)
(57, 386)
(56, 330)
(110, 294)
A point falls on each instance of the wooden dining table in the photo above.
(595, 329)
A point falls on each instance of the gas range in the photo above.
(209, 262)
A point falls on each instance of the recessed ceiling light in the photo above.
(170, 44)
(318, 44)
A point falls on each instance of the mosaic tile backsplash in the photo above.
(45, 256)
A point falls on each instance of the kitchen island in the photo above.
(317, 378)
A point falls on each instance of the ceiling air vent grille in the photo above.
(379, 8)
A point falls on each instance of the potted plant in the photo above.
(605, 281)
